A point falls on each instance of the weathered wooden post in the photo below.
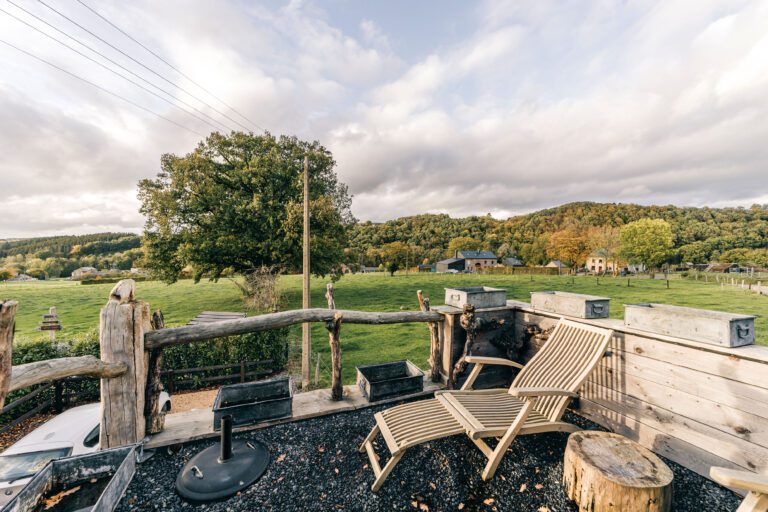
(306, 327)
(155, 418)
(7, 327)
(334, 338)
(123, 323)
(434, 338)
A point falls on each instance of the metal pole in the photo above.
(306, 332)
(226, 438)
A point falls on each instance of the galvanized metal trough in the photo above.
(706, 326)
(478, 296)
(253, 402)
(94, 482)
(571, 304)
(387, 380)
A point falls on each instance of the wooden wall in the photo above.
(696, 404)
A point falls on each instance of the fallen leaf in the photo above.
(461, 506)
(321, 449)
(543, 509)
(365, 466)
(336, 470)
(536, 470)
(56, 498)
(523, 487)
(488, 501)
(281, 458)
(432, 485)
(502, 477)
(538, 487)
(415, 504)
(424, 507)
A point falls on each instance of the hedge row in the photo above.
(230, 350)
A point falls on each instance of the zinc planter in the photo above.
(571, 304)
(388, 380)
(253, 402)
(478, 296)
(713, 327)
(95, 482)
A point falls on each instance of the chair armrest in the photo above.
(523, 392)
(740, 479)
(492, 360)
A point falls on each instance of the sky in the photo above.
(466, 108)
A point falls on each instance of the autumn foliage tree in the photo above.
(569, 245)
(235, 203)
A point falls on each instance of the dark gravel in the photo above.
(316, 467)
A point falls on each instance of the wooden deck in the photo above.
(198, 424)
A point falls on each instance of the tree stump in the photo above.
(608, 472)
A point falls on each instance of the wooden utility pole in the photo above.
(306, 331)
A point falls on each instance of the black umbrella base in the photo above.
(205, 478)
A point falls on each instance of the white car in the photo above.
(73, 432)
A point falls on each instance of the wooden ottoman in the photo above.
(608, 472)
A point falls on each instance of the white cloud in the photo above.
(531, 104)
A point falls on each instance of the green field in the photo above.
(78, 306)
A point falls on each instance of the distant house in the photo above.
(83, 272)
(556, 264)
(456, 264)
(23, 277)
(600, 261)
(426, 268)
(512, 262)
(476, 260)
(369, 270)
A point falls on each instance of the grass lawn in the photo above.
(78, 306)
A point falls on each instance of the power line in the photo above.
(84, 45)
(109, 69)
(142, 65)
(100, 87)
(126, 34)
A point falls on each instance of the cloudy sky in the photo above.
(432, 106)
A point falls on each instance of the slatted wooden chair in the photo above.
(757, 485)
(533, 404)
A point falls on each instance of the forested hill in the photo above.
(58, 256)
(66, 246)
(700, 234)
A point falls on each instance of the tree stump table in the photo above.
(608, 472)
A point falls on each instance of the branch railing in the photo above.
(131, 342)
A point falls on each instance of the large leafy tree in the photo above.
(647, 241)
(235, 203)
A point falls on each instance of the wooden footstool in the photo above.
(608, 472)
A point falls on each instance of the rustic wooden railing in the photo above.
(132, 341)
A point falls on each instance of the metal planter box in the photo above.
(571, 304)
(252, 402)
(387, 380)
(113, 470)
(478, 296)
(713, 327)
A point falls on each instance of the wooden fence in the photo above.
(54, 396)
(132, 341)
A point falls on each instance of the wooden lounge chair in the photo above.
(534, 403)
(756, 484)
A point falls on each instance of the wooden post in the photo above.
(52, 312)
(306, 328)
(7, 328)
(334, 339)
(317, 370)
(434, 339)
(155, 417)
(121, 337)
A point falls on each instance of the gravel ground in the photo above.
(315, 466)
